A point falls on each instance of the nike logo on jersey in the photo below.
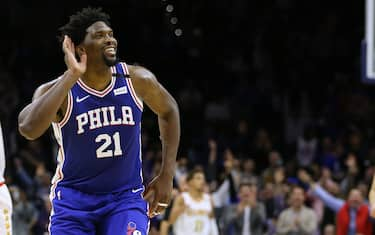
(137, 190)
(79, 100)
(121, 90)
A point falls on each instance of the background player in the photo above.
(5, 199)
(96, 118)
(192, 212)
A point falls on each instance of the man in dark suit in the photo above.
(248, 216)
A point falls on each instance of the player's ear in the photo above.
(80, 50)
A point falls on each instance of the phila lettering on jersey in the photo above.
(100, 137)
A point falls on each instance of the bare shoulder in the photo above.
(44, 88)
(141, 73)
(143, 80)
(179, 200)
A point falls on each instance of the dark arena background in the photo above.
(271, 92)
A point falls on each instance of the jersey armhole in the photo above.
(138, 101)
(68, 112)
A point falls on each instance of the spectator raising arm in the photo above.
(330, 201)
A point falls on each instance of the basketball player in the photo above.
(5, 199)
(95, 109)
(192, 212)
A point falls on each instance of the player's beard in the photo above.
(110, 62)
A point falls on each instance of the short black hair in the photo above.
(80, 21)
(247, 183)
(192, 173)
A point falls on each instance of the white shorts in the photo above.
(5, 211)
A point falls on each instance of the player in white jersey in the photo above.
(5, 199)
(192, 212)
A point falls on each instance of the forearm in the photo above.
(332, 202)
(36, 117)
(169, 126)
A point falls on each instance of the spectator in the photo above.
(25, 215)
(297, 219)
(248, 171)
(352, 177)
(274, 161)
(306, 147)
(246, 217)
(352, 215)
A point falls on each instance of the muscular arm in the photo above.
(37, 116)
(164, 105)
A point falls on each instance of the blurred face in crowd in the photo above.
(279, 175)
(182, 163)
(247, 193)
(326, 173)
(329, 230)
(248, 165)
(274, 158)
(242, 127)
(297, 198)
(355, 198)
(197, 182)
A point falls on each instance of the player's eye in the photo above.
(99, 35)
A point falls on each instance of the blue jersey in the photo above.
(100, 137)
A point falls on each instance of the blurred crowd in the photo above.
(269, 94)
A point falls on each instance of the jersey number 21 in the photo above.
(107, 149)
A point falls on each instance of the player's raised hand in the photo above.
(77, 68)
(158, 194)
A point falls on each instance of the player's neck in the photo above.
(195, 194)
(97, 77)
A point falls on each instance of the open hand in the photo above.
(158, 194)
(305, 177)
(77, 68)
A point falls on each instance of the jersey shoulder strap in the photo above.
(121, 70)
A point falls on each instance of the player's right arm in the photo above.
(177, 209)
(49, 98)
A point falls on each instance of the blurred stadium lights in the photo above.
(178, 32)
(174, 20)
(169, 8)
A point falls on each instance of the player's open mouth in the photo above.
(110, 51)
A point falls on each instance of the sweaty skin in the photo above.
(96, 52)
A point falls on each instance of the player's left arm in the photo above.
(158, 99)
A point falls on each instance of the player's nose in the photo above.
(110, 41)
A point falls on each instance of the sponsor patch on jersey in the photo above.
(121, 90)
